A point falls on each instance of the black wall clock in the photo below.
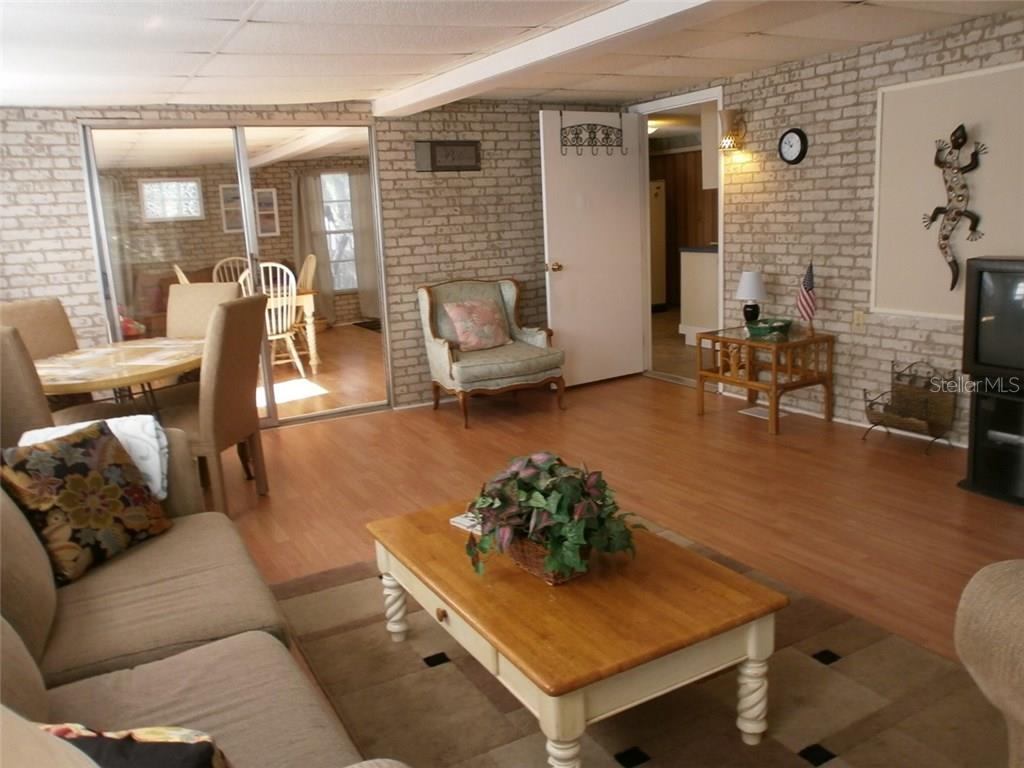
(793, 146)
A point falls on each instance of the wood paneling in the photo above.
(691, 211)
(875, 527)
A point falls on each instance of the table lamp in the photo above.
(750, 291)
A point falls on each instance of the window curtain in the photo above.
(365, 235)
(308, 215)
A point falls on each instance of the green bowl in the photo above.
(769, 326)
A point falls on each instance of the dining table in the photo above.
(120, 366)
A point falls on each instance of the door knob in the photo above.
(442, 615)
(556, 266)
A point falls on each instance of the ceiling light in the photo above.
(652, 126)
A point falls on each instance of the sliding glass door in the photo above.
(289, 209)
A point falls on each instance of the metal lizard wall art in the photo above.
(947, 158)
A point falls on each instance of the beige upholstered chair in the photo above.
(43, 324)
(990, 641)
(280, 289)
(190, 306)
(528, 360)
(221, 411)
(180, 274)
(23, 405)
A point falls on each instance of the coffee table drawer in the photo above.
(446, 616)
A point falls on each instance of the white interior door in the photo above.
(595, 237)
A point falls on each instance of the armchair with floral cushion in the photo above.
(476, 345)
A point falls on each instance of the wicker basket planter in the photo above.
(529, 555)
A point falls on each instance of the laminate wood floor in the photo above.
(877, 528)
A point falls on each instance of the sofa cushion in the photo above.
(84, 496)
(21, 685)
(25, 744)
(478, 323)
(194, 584)
(246, 691)
(515, 359)
(28, 596)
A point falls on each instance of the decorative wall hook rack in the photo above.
(593, 135)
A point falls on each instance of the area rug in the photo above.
(842, 693)
(370, 325)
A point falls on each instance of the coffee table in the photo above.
(627, 631)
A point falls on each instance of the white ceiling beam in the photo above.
(313, 139)
(477, 76)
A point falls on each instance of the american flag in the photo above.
(805, 301)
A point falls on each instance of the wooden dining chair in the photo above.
(182, 277)
(230, 269)
(280, 289)
(224, 414)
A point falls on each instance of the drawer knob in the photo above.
(442, 615)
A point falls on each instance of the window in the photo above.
(171, 199)
(341, 243)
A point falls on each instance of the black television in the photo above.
(994, 317)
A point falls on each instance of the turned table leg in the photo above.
(394, 607)
(564, 754)
(753, 700)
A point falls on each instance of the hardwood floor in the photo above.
(669, 351)
(351, 370)
(877, 527)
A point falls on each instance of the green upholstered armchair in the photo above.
(528, 360)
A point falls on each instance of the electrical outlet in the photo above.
(858, 319)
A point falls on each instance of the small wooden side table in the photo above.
(797, 360)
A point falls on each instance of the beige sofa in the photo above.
(180, 630)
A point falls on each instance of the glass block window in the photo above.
(341, 244)
(171, 199)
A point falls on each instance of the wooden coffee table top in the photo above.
(622, 613)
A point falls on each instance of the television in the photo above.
(994, 317)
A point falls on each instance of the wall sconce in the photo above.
(734, 130)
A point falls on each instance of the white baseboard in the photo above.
(691, 332)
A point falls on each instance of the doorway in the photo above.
(684, 193)
(290, 211)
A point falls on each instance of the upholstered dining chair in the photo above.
(221, 411)
(526, 359)
(43, 325)
(23, 405)
(230, 269)
(280, 289)
(180, 274)
(189, 307)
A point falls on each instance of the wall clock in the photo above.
(793, 146)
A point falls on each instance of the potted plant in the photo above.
(547, 516)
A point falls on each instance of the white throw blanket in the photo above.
(142, 437)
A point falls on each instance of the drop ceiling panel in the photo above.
(514, 94)
(678, 43)
(322, 65)
(966, 7)
(326, 84)
(865, 24)
(761, 47)
(539, 80)
(765, 15)
(611, 98)
(586, 63)
(153, 9)
(481, 13)
(705, 69)
(57, 61)
(634, 83)
(266, 38)
(38, 26)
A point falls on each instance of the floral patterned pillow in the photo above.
(160, 747)
(83, 495)
(479, 324)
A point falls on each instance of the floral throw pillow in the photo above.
(160, 747)
(479, 324)
(83, 495)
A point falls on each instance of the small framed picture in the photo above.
(264, 203)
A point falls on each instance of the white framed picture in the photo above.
(264, 203)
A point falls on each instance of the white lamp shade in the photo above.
(751, 287)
